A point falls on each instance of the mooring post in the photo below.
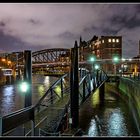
(74, 87)
(28, 77)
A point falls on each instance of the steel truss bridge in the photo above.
(58, 60)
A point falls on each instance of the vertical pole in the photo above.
(51, 96)
(62, 88)
(84, 90)
(33, 127)
(115, 70)
(0, 126)
(28, 77)
(97, 77)
(18, 77)
(101, 92)
(89, 78)
(71, 86)
(74, 87)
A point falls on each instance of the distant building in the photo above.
(111, 46)
(135, 66)
(105, 47)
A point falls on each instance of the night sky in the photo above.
(35, 26)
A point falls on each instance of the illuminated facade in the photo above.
(105, 47)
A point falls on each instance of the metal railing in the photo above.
(52, 99)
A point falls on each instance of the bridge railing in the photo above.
(89, 83)
(52, 98)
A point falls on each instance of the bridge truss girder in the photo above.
(51, 55)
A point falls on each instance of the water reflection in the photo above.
(12, 99)
(7, 99)
(93, 129)
(116, 124)
(109, 119)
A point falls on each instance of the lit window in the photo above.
(113, 40)
(117, 40)
(109, 40)
(103, 41)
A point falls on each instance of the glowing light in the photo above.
(24, 86)
(113, 40)
(123, 59)
(117, 40)
(92, 59)
(109, 40)
(115, 59)
(97, 67)
(3, 60)
(9, 62)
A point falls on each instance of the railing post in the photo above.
(93, 83)
(100, 76)
(62, 88)
(89, 79)
(33, 128)
(0, 126)
(97, 77)
(84, 91)
(101, 92)
(51, 96)
(33, 122)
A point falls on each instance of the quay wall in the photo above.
(130, 91)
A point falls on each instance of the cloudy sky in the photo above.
(37, 26)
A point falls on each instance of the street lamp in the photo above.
(115, 61)
(24, 86)
(93, 59)
(97, 66)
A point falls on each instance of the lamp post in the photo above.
(97, 72)
(93, 59)
(115, 61)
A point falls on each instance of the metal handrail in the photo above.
(47, 92)
(67, 105)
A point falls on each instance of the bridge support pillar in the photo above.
(74, 87)
(28, 77)
(102, 92)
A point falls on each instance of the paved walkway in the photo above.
(46, 119)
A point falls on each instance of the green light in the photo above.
(96, 67)
(115, 59)
(24, 86)
(92, 59)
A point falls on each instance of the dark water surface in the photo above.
(12, 99)
(111, 118)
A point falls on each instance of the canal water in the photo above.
(109, 118)
(12, 99)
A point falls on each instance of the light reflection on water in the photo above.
(11, 98)
(111, 118)
(116, 123)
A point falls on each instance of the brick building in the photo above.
(105, 47)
